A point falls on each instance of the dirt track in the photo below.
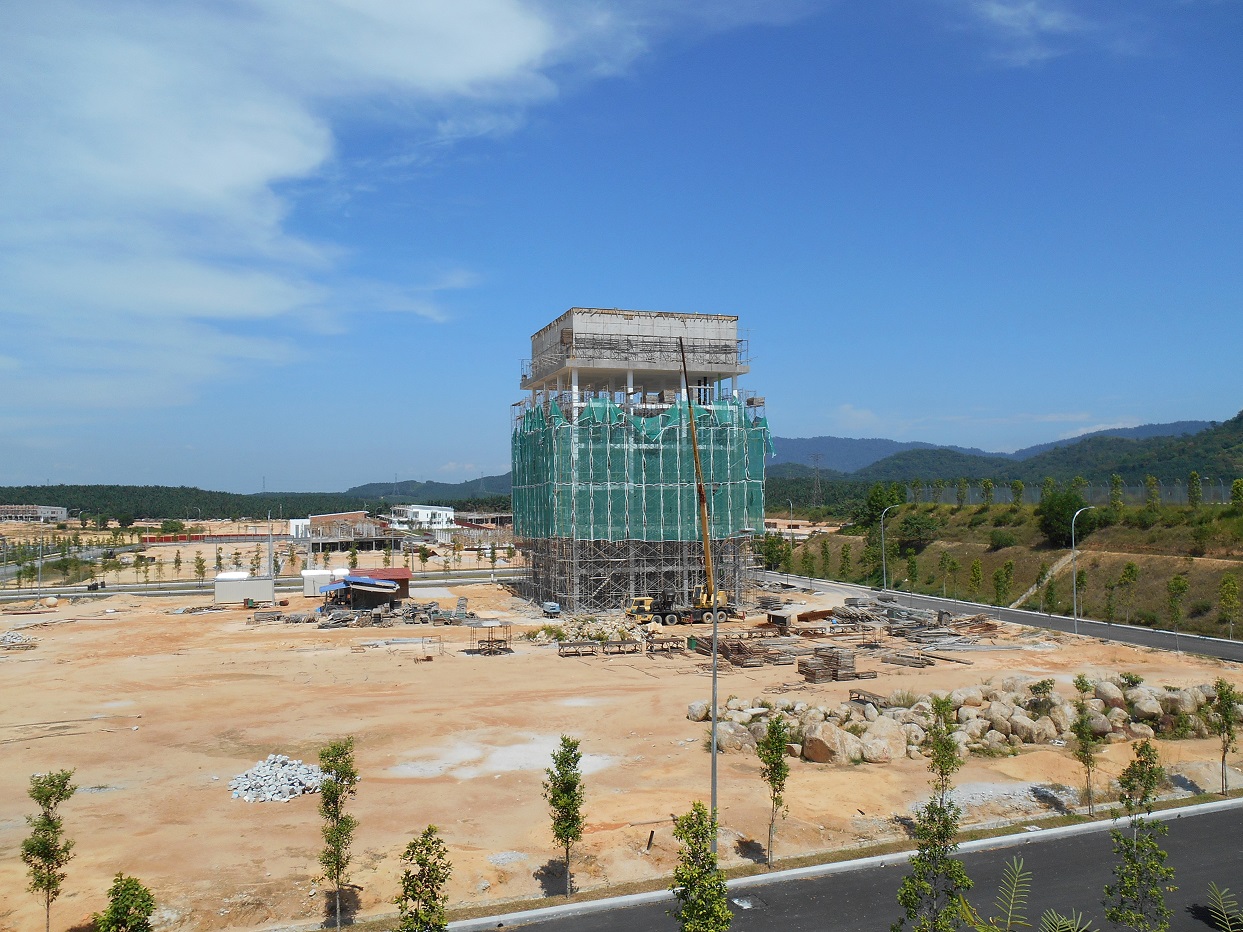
(156, 712)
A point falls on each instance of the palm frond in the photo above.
(1053, 921)
(1223, 906)
(1016, 883)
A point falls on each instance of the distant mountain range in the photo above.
(848, 454)
(1168, 451)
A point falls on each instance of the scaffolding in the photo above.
(604, 496)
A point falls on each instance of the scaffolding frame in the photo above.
(603, 575)
(604, 495)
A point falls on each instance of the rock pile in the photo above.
(13, 637)
(276, 779)
(990, 719)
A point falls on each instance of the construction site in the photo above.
(604, 490)
(192, 720)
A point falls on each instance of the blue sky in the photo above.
(304, 244)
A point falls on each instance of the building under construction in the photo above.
(604, 498)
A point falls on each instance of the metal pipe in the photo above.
(884, 563)
(710, 589)
(1074, 571)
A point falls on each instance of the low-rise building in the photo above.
(422, 517)
(49, 514)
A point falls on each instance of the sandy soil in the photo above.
(157, 712)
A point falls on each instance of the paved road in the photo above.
(1126, 634)
(1068, 872)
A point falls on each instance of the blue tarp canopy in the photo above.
(335, 587)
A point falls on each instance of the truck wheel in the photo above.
(671, 619)
(707, 618)
(721, 617)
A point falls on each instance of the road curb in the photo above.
(815, 871)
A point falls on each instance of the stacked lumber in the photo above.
(907, 658)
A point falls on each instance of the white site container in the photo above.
(313, 579)
(233, 587)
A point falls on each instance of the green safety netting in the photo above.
(609, 476)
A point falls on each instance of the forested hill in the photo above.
(1214, 452)
(850, 454)
(412, 490)
(142, 502)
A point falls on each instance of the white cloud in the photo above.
(1025, 32)
(149, 150)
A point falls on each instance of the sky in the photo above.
(302, 244)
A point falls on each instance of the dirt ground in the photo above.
(156, 712)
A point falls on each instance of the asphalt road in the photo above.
(1126, 634)
(1068, 873)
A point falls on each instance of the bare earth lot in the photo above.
(157, 712)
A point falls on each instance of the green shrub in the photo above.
(1130, 680)
(999, 540)
(1199, 608)
(977, 520)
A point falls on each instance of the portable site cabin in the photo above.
(237, 586)
(312, 580)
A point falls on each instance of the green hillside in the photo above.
(1202, 545)
(1216, 451)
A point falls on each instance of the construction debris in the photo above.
(276, 779)
(11, 640)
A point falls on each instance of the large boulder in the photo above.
(731, 736)
(976, 728)
(1096, 705)
(1063, 716)
(810, 717)
(1138, 694)
(995, 739)
(961, 744)
(1045, 730)
(758, 731)
(890, 732)
(698, 711)
(1208, 691)
(825, 743)
(966, 713)
(1197, 695)
(735, 704)
(1180, 701)
(1099, 724)
(1147, 709)
(794, 750)
(1023, 728)
(738, 717)
(1017, 683)
(1110, 694)
(998, 719)
(1118, 717)
(870, 713)
(914, 734)
(967, 695)
(1138, 731)
(876, 751)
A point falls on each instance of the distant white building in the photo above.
(299, 527)
(47, 513)
(422, 517)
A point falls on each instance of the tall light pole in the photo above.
(790, 565)
(884, 562)
(1074, 572)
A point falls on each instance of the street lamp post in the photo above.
(884, 561)
(1074, 572)
(790, 565)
